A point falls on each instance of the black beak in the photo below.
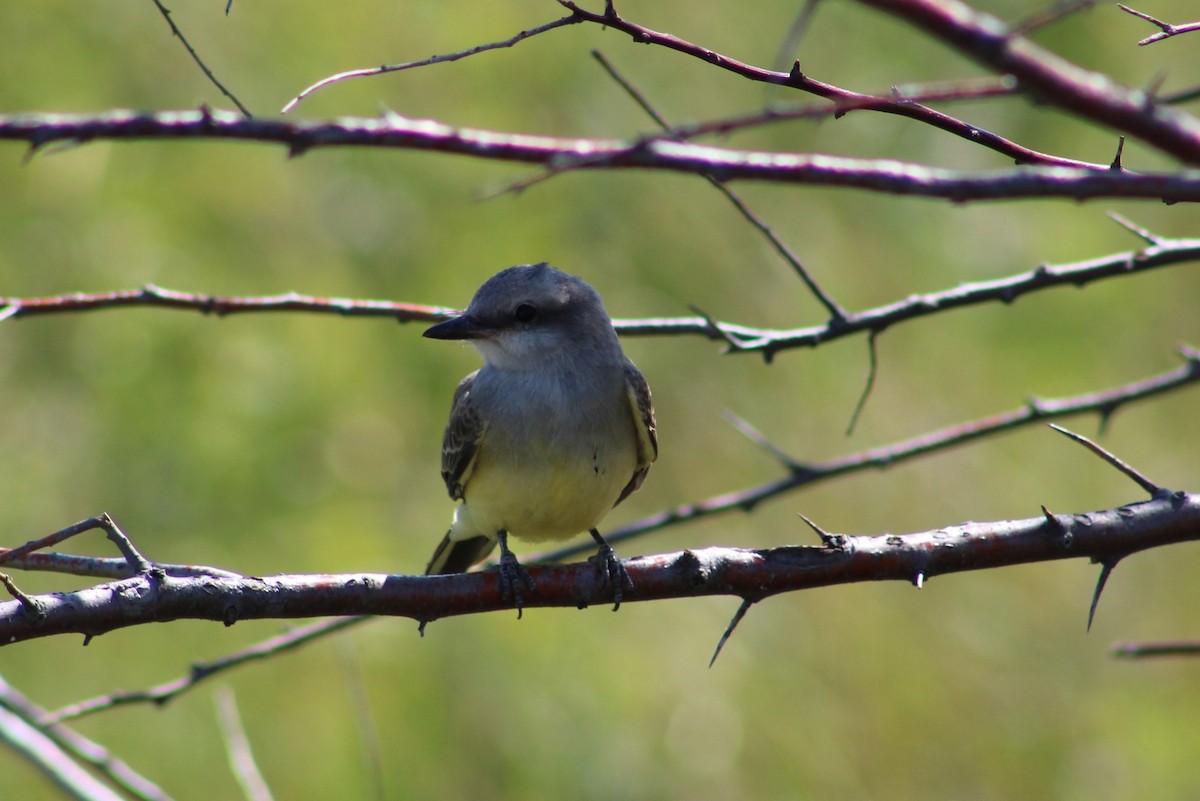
(462, 327)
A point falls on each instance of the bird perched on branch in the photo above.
(554, 430)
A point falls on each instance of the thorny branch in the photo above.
(1050, 78)
(1160, 252)
(652, 153)
(800, 473)
(749, 574)
(1103, 403)
(1042, 75)
(158, 596)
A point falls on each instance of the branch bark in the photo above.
(563, 154)
(1102, 536)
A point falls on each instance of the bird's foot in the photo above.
(612, 571)
(512, 576)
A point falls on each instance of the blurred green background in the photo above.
(292, 443)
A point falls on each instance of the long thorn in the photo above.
(737, 618)
(1105, 572)
(1149, 486)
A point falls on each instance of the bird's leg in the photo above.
(612, 572)
(512, 574)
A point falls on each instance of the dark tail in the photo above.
(459, 556)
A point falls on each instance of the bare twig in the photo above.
(801, 474)
(28, 603)
(237, 746)
(754, 435)
(570, 19)
(724, 164)
(1049, 77)
(166, 14)
(79, 748)
(102, 567)
(43, 753)
(1048, 16)
(1036, 411)
(1143, 650)
(791, 40)
(750, 575)
(1166, 29)
(50, 539)
(1139, 231)
(869, 384)
(742, 339)
(136, 562)
(219, 306)
(163, 693)
(360, 705)
(796, 79)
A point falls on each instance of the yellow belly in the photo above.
(542, 496)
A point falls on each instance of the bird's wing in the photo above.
(461, 441)
(637, 391)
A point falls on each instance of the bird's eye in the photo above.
(525, 313)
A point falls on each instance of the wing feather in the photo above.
(461, 441)
(641, 407)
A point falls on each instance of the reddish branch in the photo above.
(1166, 29)
(559, 154)
(158, 297)
(1102, 536)
(1041, 74)
(1160, 252)
(1049, 78)
(845, 99)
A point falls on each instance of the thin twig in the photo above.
(1036, 411)
(237, 747)
(796, 79)
(80, 748)
(791, 40)
(742, 339)
(28, 603)
(44, 754)
(360, 706)
(166, 692)
(1167, 30)
(1050, 78)
(1143, 650)
(570, 19)
(102, 566)
(1141, 232)
(869, 385)
(1048, 16)
(166, 14)
(754, 435)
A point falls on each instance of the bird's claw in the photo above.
(512, 576)
(612, 573)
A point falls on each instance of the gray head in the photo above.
(524, 315)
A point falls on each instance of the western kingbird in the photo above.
(554, 430)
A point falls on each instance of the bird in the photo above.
(553, 431)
